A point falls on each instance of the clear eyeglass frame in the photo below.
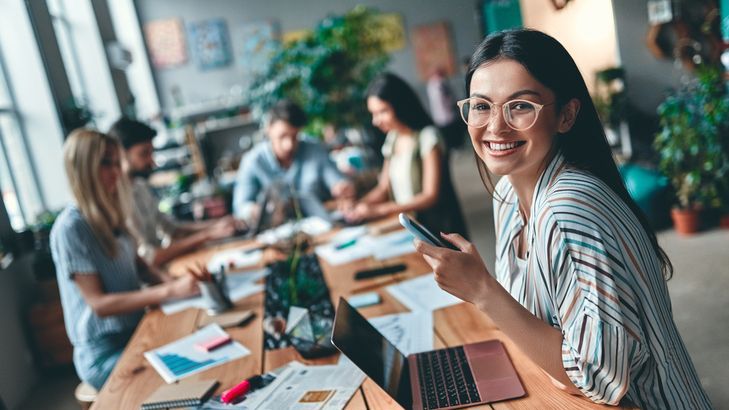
(505, 111)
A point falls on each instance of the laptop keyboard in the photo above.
(446, 378)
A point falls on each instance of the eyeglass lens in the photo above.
(518, 114)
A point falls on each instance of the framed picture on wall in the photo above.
(254, 43)
(166, 42)
(433, 49)
(210, 43)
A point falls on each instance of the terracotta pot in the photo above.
(724, 221)
(686, 221)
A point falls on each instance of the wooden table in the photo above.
(133, 378)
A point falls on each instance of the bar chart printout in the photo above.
(181, 358)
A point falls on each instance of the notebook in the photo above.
(185, 394)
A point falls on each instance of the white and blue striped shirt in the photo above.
(76, 251)
(592, 273)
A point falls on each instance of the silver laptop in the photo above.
(450, 378)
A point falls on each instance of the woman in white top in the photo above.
(415, 176)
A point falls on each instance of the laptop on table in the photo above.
(450, 378)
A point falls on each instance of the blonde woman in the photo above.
(98, 271)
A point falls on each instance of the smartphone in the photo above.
(422, 233)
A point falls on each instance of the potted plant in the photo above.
(611, 102)
(327, 71)
(692, 145)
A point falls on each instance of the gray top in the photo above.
(312, 172)
(76, 251)
(153, 226)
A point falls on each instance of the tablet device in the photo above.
(422, 233)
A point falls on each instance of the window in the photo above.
(17, 181)
(63, 28)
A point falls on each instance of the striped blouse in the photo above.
(76, 251)
(592, 273)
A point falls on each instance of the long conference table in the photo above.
(134, 379)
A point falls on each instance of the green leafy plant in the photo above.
(327, 71)
(693, 143)
(611, 100)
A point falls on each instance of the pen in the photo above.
(345, 244)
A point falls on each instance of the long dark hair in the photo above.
(584, 146)
(407, 106)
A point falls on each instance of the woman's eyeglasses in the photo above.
(519, 115)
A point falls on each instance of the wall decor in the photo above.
(254, 44)
(433, 49)
(210, 43)
(166, 42)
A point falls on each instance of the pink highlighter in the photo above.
(236, 391)
(213, 344)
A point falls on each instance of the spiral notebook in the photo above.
(185, 394)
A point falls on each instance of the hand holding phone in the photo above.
(422, 233)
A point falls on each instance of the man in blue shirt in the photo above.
(285, 159)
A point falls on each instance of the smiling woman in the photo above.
(578, 284)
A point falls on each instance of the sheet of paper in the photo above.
(361, 248)
(347, 234)
(422, 293)
(180, 359)
(253, 398)
(234, 259)
(409, 332)
(311, 388)
(312, 226)
(393, 244)
(240, 285)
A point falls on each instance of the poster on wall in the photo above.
(433, 49)
(210, 43)
(254, 44)
(166, 42)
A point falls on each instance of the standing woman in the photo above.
(96, 264)
(415, 175)
(579, 282)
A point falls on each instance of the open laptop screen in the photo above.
(354, 336)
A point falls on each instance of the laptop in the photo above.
(308, 205)
(450, 378)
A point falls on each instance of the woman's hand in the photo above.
(183, 287)
(462, 274)
(363, 211)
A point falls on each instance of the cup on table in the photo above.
(215, 293)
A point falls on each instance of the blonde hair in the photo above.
(83, 152)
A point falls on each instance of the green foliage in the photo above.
(326, 72)
(611, 99)
(44, 221)
(693, 142)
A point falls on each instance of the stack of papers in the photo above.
(240, 285)
(180, 359)
(422, 294)
(234, 260)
